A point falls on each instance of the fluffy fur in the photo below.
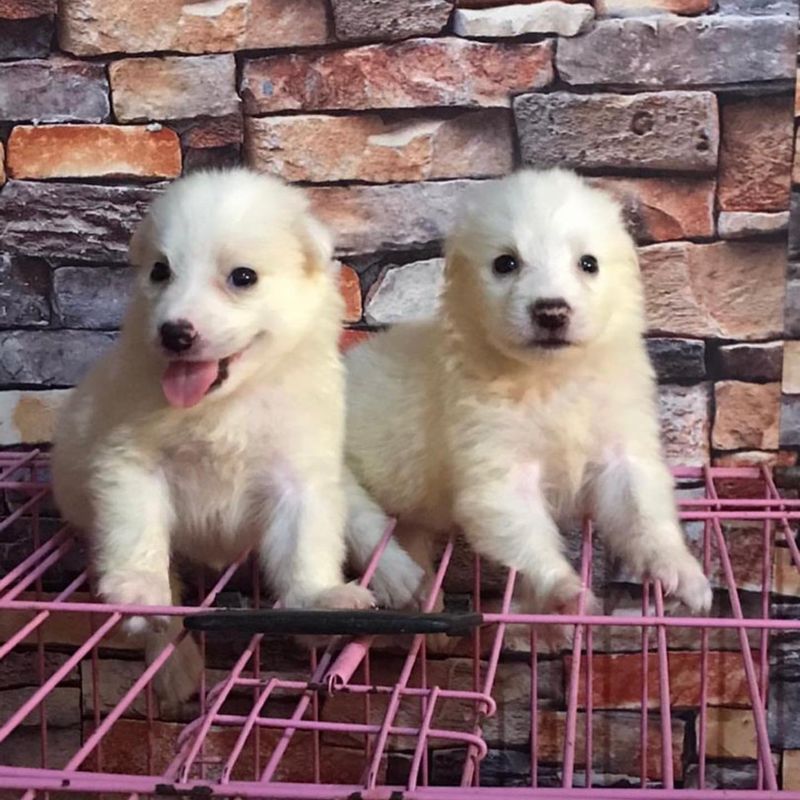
(257, 462)
(487, 419)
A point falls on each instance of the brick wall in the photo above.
(388, 110)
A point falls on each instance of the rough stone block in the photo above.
(685, 424)
(419, 72)
(748, 224)
(547, 16)
(24, 289)
(56, 90)
(671, 52)
(91, 297)
(749, 362)
(408, 292)
(648, 131)
(747, 415)
(384, 20)
(28, 418)
(67, 220)
(678, 359)
(367, 148)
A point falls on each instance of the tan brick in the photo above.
(62, 707)
(367, 148)
(791, 367)
(785, 574)
(491, 3)
(26, 9)
(728, 289)
(797, 94)
(351, 291)
(791, 770)
(730, 733)
(624, 8)
(93, 27)
(29, 417)
(173, 87)
(86, 151)
(617, 680)
(418, 72)
(548, 16)
(756, 154)
(663, 209)
(747, 415)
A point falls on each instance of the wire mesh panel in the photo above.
(636, 700)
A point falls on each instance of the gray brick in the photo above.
(790, 437)
(389, 19)
(749, 362)
(57, 90)
(674, 52)
(91, 297)
(25, 38)
(49, 358)
(67, 220)
(650, 131)
(678, 360)
(24, 287)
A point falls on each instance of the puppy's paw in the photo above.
(398, 580)
(682, 577)
(178, 679)
(347, 596)
(566, 596)
(138, 588)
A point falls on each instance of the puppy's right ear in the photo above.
(137, 248)
(317, 242)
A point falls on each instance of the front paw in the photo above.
(345, 597)
(136, 588)
(397, 582)
(682, 577)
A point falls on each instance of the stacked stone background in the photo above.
(387, 110)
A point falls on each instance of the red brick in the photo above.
(731, 290)
(350, 338)
(418, 72)
(2, 164)
(617, 680)
(747, 415)
(351, 291)
(93, 27)
(26, 9)
(86, 151)
(663, 209)
(750, 487)
(366, 148)
(756, 154)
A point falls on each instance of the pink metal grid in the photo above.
(289, 739)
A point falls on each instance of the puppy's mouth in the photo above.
(550, 344)
(185, 383)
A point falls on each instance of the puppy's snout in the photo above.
(177, 336)
(552, 314)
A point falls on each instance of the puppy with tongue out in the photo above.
(216, 422)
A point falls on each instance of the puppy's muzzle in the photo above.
(177, 336)
(551, 315)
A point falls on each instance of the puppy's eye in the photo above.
(160, 272)
(588, 264)
(242, 277)
(505, 264)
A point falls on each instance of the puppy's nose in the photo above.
(177, 336)
(552, 314)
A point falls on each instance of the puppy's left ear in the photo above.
(137, 246)
(317, 243)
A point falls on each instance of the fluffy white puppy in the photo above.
(529, 401)
(216, 423)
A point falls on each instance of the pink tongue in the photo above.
(185, 383)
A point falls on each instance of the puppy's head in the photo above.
(233, 272)
(543, 263)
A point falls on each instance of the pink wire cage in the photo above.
(363, 717)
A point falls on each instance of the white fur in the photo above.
(468, 420)
(257, 463)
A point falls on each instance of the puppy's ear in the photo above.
(137, 248)
(317, 243)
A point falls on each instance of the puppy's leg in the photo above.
(131, 540)
(635, 509)
(178, 678)
(398, 577)
(504, 515)
(303, 550)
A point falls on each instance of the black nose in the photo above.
(178, 336)
(552, 315)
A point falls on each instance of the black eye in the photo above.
(505, 264)
(242, 277)
(588, 264)
(160, 272)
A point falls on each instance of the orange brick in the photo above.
(2, 164)
(350, 338)
(85, 151)
(351, 291)
(616, 680)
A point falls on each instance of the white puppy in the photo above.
(216, 423)
(529, 401)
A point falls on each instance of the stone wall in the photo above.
(387, 110)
